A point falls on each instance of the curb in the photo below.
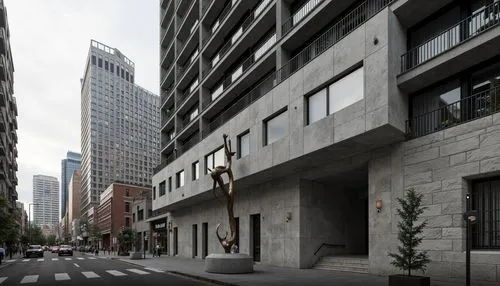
(201, 278)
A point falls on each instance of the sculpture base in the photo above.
(135, 255)
(229, 263)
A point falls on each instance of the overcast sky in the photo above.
(50, 41)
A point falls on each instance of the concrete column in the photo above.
(282, 14)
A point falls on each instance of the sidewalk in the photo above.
(265, 275)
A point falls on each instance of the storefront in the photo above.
(160, 234)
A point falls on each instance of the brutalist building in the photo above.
(332, 106)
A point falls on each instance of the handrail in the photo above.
(299, 15)
(464, 30)
(329, 245)
(475, 106)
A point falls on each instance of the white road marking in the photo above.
(76, 265)
(90, 274)
(80, 258)
(55, 259)
(154, 270)
(11, 260)
(29, 279)
(40, 259)
(116, 273)
(26, 260)
(92, 258)
(61, 276)
(137, 271)
(67, 258)
(2, 279)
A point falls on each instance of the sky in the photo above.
(50, 40)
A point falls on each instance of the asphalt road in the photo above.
(83, 270)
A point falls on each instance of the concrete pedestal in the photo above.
(228, 263)
(135, 255)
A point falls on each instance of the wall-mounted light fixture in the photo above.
(288, 216)
(378, 205)
(170, 226)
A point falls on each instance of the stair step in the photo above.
(345, 269)
(341, 265)
(346, 260)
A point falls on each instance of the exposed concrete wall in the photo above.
(272, 200)
(440, 166)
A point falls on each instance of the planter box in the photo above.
(404, 280)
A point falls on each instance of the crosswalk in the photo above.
(50, 259)
(31, 279)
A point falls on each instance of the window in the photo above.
(346, 91)
(127, 222)
(106, 65)
(214, 159)
(99, 63)
(276, 127)
(133, 217)
(179, 179)
(169, 184)
(127, 207)
(127, 193)
(93, 60)
(140, 215)
(161, 190)
(196, 170)
(317, 106)
(244, 144)
(486, 200)
(154, 193)
(112, 67)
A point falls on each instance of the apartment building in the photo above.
(141, 212)
(332, 106)
(46, 198)
(71, 163)
(120, 123)
(8, 117)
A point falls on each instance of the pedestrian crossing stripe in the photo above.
(67, 258)
(80, 258)
(11, 260)
(30, 279)
(137, 271)
(26, 260)
(116, 273)
(55, 259)
(92, 258)
(61, 276)
(90, 274)
(40, 259)
(2, 279)
(154, 270)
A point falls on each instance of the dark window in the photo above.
(106, 65)
(276, 127)
(244, 144)
(127, 207)
(127, 193)
(127, 222)
(123, 73)
(140, 215)
(179, 179)
(154, 193)
(133, 217)
(117, 70)
(195, 170)
(131, 78)
(162, 189)
(99, 63)
(93, 60)
(169, 184)
(127, 76)
(112, 67)
(486, 200)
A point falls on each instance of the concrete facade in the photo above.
(319, 182)
(46, 198)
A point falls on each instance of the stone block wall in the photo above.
(441, 166)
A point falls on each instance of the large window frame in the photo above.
(241, 139)
(195, 170)
(180, 179)
(276, 116)
(214, 159)
(161, 187)
(486, 200)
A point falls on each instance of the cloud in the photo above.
(50, 41)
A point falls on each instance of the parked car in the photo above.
(65, 249)
(55, 249)
(34, 250)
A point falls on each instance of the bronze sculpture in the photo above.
(228, 192)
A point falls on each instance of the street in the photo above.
(82, 269)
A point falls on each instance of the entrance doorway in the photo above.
(176, 249)
(255, 238)
(195, 240)
(204, 240)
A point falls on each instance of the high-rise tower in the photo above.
(119, 125)
(46, 201)
(68, 166)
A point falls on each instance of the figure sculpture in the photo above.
(228, 192)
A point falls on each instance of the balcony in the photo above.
(168, 56)
(168, 77)
(2, 149)
(267, 45)
(187, 95)
(189, 19)
(189, 117)
(169, 10)
(470, 108)
(166, 94)
(165, 118)
(169, 159)
(240, 36)
(2, 124)
(168, 34)
(14, 192)
(187, 47)
(3, 40)
(14, 165)
(15, 150)
(186, 73)
(195, 138)
(456, 49)
(13, 105)
(300, 14)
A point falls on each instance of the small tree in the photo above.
(126, 238)
(409, 258)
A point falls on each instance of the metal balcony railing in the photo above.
(166, 118)
(220, 19)
(472, 107)
(243, 67)
(189, 144)
(300, 14)
(464, 30)
(170, 158)
(166, 94)
(338, 31)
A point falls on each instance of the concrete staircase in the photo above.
(357, 264)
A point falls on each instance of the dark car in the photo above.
(34, 251)
(65, 249)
